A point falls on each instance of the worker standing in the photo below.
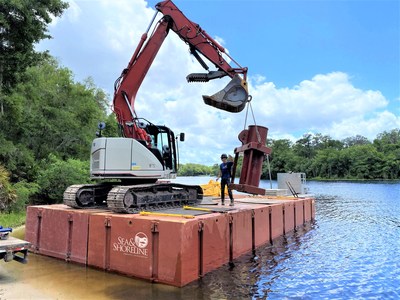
(225, 173)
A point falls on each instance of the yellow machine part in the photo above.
(213, 189)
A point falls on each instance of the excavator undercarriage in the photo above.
(132, 198)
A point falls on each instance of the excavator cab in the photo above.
(232, 98)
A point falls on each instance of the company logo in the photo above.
(134, 166)
(136, 245)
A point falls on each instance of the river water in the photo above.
(351, 251)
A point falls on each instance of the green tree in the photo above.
(365, 162)
(327, 164)
(325, 141)
(215, 170)
(24, 190)
(194, 170)
(355, 140)
(388, 141)
(282, 158)
(48, 113)
(23, 23)
(7, 193)
(18, 159)
(111, 129)
(58, 175)
(304, 147)
(352, 158)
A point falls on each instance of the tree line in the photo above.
(48, 121)
(322, 157)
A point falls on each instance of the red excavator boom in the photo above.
(232, 98)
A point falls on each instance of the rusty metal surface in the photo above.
(254, 150)
(245, 188)
(129, 246)
(261, 225)
(215, 242)
(241, 232)
(54, 233)
(97, 241)
(59, 231)
(178, 252)
(299, 213)
(276, 215)
(307, 209)
(288, 217)
(181, 211)
(170, 250)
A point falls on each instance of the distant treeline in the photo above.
(321, 157)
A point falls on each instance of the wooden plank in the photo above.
(11, 243)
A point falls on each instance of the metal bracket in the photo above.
(201, 226)
(230, 218)
(9, 256)
(107, 222)
(154, 227)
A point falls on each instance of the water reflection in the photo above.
(254, 275)
(59, 280)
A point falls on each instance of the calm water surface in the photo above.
(351, 251)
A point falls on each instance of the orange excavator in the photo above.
(130, 166)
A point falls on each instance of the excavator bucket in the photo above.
(232, 98)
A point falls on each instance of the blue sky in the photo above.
(330, 67)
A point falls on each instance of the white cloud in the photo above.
(123, 23)
(315, 104)
(368, 127)
(72, 14)
(107, 34)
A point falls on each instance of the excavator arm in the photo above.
(199, 41)
(232, 98)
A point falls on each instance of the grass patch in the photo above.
(13, 219)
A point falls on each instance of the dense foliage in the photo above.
(7, 193)
(47, 120)
(46, 129)
(320, 156)
(201, 170)
(22, 24)
(356, 157)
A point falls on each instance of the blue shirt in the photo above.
(226, 169)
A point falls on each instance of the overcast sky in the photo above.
(330, 67)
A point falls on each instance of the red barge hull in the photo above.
(166, 249)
